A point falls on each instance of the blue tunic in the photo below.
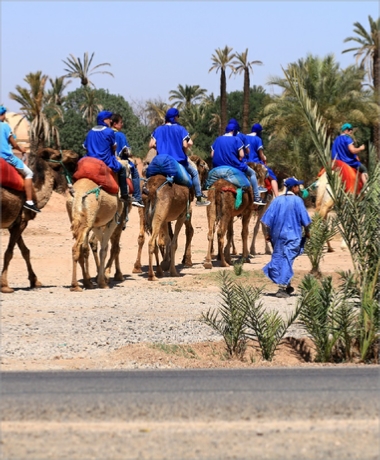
(99, 144)
(121, 142)
(169, 141)
(340, 151)
(255, 143)
(285, 218)
(6, 150)
(226, 152)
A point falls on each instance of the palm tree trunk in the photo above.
(246, 100)
(223, 101)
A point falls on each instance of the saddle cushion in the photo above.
(97, 171)
(348, 175)
(230, 174)
(9, 177)
(169, 167)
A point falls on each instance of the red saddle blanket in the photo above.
(348, 175)
(9, 177)
(97, 171)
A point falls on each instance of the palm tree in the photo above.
(242, 65)
(339, 95)
(33, 104)
(156, 112)
(83, 71)
(185, 96)
(91, 106)
(221, 61)
(368, 52)
(58, 86)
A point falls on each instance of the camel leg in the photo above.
(140, 242)
(14, 236)
(174, 245)
(244, 235)
(211, 218)
(115, 255)
(221, 233)
(189, 236)
(227, 248)
(164, 244)
(152, 249)
(94, 248)
(80, 253)
(34, 283)
(104, 240)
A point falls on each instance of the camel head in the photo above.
(261, 172)
(201, 166)
(56, 163)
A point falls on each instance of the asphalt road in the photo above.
(228, 395)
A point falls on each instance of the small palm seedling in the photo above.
(267, 327)
(229, 319)
(321, 231)
(327, 316)
(238, 267)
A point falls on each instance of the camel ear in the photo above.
(69, 156)
(48, 154)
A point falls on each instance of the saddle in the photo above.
(348, 175)
(9, 176)
(97, 171)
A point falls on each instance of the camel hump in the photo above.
(167, 166)
(97, 171)
(228, 173)
(9, 177)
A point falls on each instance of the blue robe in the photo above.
(285, 218)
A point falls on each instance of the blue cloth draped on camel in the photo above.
(285, 217)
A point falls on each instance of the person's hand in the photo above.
(362, 147)
(307, 235)
(267, 238)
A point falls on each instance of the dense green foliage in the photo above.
(74, 128)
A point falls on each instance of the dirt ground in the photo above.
(49, 240)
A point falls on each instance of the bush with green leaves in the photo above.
(329, 317)
(229, 319)
(242, 316)
(321, 231)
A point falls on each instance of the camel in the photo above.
(164, 204)
(324, 204)
(48, 166)
(92, 209)
(220, 215)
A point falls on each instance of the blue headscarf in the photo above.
(103, 116)
(2, 110)
(170, 115)
(230, 127)
(257, 128)
(237, 126)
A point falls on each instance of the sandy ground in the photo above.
(128, 325)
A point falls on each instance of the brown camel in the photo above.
(163, 204)
(48, 166)
(220, 215)
(92, 209)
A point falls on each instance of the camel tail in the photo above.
(80, 223)
(149, 214)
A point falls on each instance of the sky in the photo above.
(153, 46)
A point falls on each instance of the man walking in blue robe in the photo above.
(284, 220)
